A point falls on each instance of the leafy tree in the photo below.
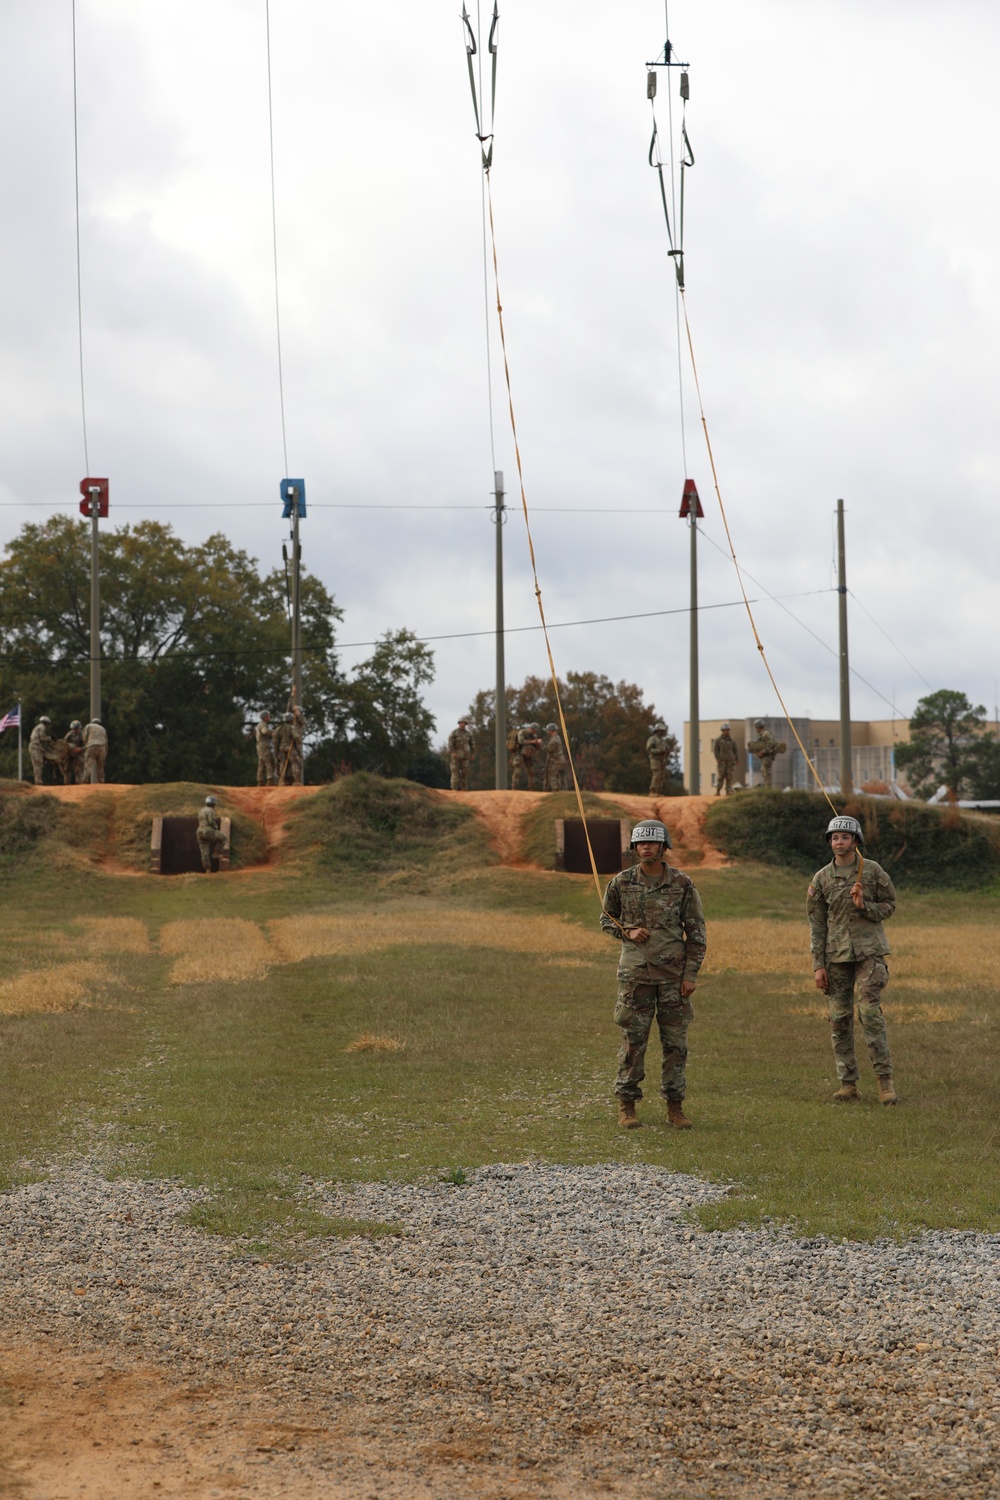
(194, 643)
(944, 740)
(984, 778)
(608, 725)
(386, 728)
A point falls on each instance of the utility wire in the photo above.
(274, 232)
(79, 271)
(889, 638)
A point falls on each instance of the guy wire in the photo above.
(79, 274)
(274, 232)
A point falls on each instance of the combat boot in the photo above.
(626, 1114)
(847, 1093)
(886, 1092)
(676, 1116)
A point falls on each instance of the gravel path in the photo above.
(542, 1330)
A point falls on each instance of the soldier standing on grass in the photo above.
(656, 913)
(656, 749)
(40, 738)
(846, 912)
(726, 759)
(461, 749)
(554, 778)
(264, 735)
(95, 751)
(210, 835)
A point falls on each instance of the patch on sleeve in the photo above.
(811, 891)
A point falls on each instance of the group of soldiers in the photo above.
(79, 754)
(727, 757)
(529, 757)
(280, 759)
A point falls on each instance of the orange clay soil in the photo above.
(502, 812)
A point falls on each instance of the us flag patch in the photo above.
(811, 891)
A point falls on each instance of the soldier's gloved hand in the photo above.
(822, 980)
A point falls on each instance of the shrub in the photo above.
(918, 845)
(366, 822)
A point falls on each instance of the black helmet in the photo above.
(844, 824)
(651, 832)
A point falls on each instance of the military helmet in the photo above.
(724, 726)
(760, 723)
(844, 824)
(95, 721)
(659, 728)
(287, 718)
(209, 801)
(652, 832)
(76, 724)
(265, 714)
(552, 729)
(45, 719)
(534, 726)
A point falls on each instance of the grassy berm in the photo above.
(384, 1001)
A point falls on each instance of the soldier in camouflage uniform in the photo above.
(656, 914)
(210, 835)
(40, 739)
(767, 751)
(656, 749)
(264, 736)
(528, 745)
(554, 778)
(726, 759)
(73, 771)
(461, 749)
(846, 912)
(95, 751)
(282, 743)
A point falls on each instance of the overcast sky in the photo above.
(841, 241)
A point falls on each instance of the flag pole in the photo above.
(20, 753)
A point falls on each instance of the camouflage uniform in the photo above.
(95, 751)
(849, 943)
(554, 777)
(656, 749)
(522, 764)
(210, 835)
(40, 739)
(726, 761)
(765, 739)
(282, 744)
(650, 973)
(74, 763)
(264, 735)
(460, 748)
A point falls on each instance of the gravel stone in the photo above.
(567, 1320)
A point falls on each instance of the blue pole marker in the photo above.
(292, 490)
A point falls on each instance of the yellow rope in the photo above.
(534, 569)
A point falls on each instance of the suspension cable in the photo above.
(79, 272)
(274, 232)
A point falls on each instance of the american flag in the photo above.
(10, 721)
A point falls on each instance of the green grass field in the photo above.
(420, 1011)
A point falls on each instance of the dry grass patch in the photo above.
(369, 1042)
(112, 935)
(60, 987)
(301, 937)
(212, 948)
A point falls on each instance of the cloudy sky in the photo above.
(841, 240)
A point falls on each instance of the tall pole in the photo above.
(694, 711)
(501, 694)
(846, 776)
(296, 609)
(20, 743)
(95, 606)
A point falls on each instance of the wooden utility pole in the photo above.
(500, 715)
(846, 774)
(94, 504)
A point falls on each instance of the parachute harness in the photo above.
(485, 140)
